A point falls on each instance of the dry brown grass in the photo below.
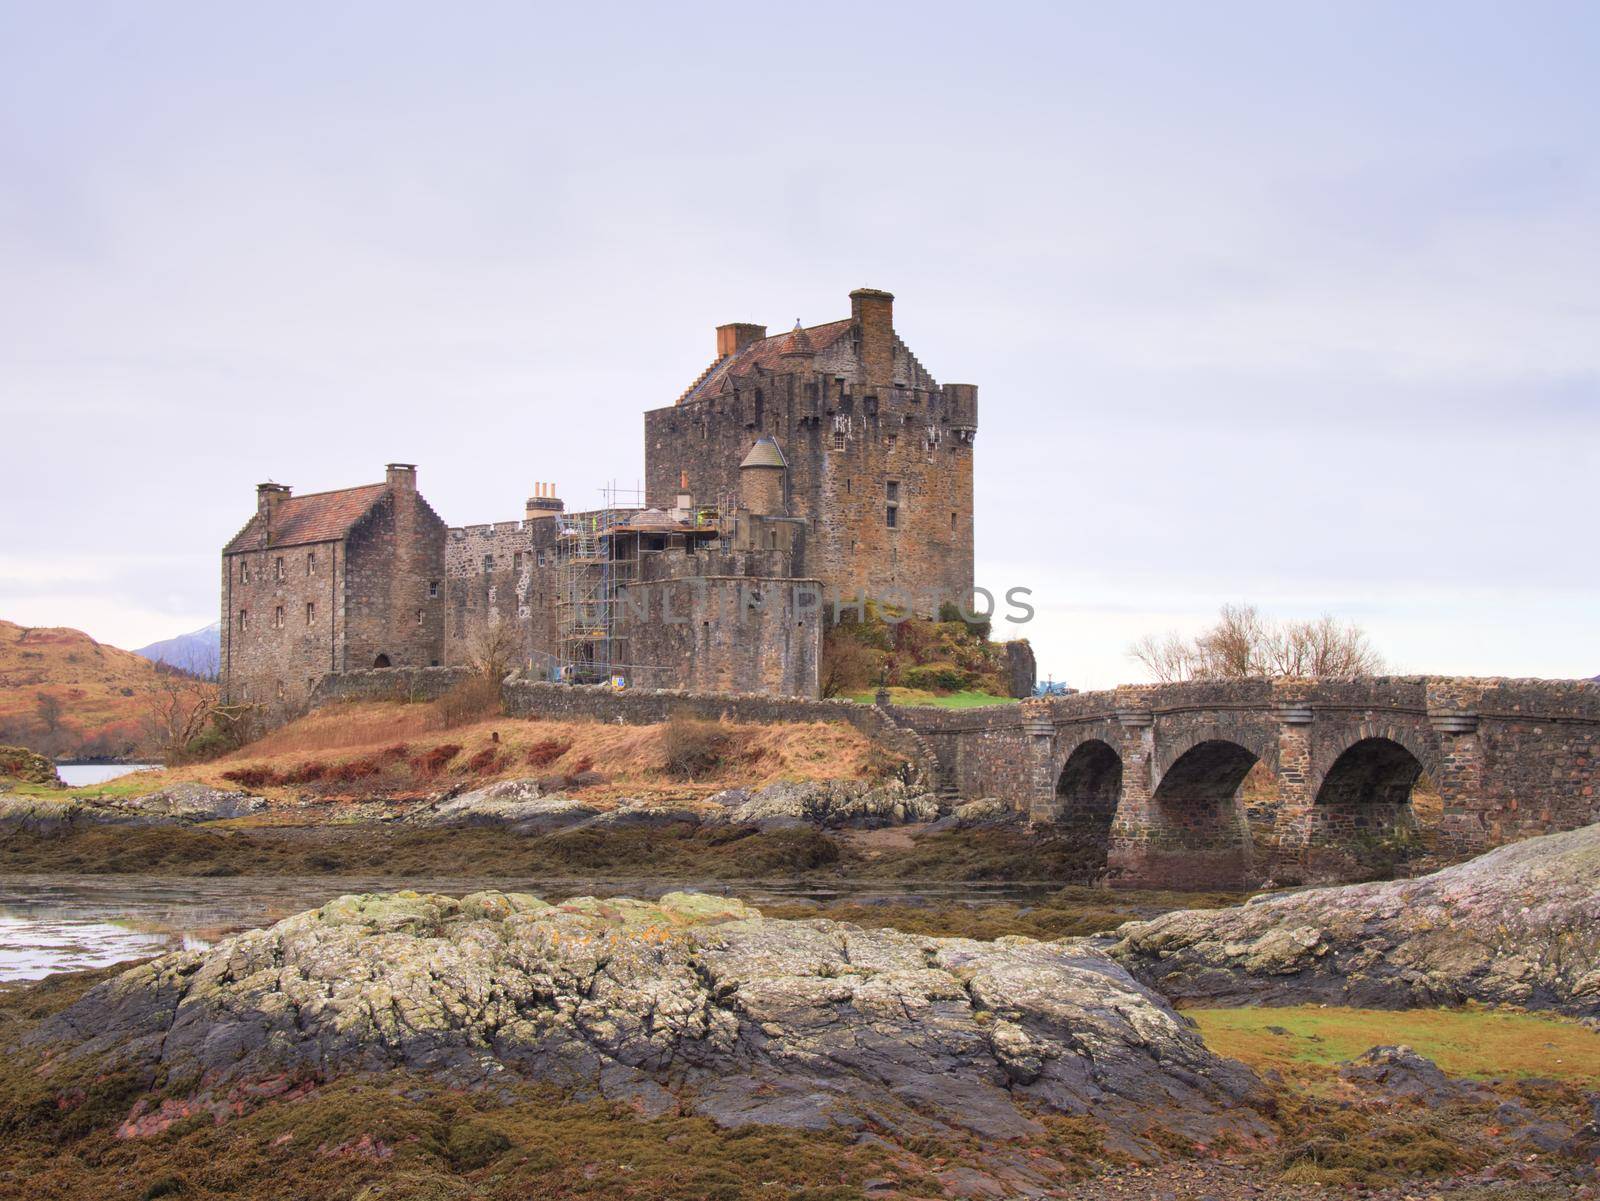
(399, 750)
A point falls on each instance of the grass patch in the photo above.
(937, 700)
(1473, 1042)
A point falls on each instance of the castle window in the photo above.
(891, 441)
(311, 613)
(838, 439)
(952, 523)
(277, 617)
(516, 561)
(244, 619)
(847, 483)
(541, 558)
(277, 568)
(488, 564)
(311, 562)
(244, 571)
(893, 487)
(419, 616)
(891, 516)
(433, 588)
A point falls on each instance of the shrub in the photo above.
(691, 747)
(258, 776)
(936, 677)
(546, 751)
(471, 700)
(432, 762)
(485, 762)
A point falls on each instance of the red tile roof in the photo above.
(764, 354)
(314, 517)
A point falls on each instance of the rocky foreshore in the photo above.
(1517, 926)
(692, 1003)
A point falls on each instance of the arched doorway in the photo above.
(1087, 792)
(381, 661)
(1363, 820)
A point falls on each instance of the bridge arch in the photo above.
(1087, 791)
(1196, 825)
(1362, 823)
(1329, 754)
(1260, 744)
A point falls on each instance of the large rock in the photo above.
(833, 804)
(19, 765)
(521, 805)
(190, 802)
(1520, 925)
(693, 1001)
(179, 804)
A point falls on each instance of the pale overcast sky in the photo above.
(1296, 304)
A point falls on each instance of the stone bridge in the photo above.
(1226, 783)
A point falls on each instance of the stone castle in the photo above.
(811, 468)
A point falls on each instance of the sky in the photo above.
(1295, 305)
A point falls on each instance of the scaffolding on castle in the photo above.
(593, 564)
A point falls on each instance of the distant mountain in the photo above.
(199, 651)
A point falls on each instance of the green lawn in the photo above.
(916, 696)
(1473, 1042)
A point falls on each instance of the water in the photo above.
(80, 775)
(70, 923)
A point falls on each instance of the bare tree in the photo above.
(48, 711)
(177, 707)
(495, 649)
(1168, 658)
(1244, 645)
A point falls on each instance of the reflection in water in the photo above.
(68, 923)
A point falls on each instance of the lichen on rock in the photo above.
(688, 1003)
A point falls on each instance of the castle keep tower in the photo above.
(876, 454)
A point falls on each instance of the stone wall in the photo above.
(282, 623)
(393, 568)
(502, 572)
(408, 684)
(725, 634)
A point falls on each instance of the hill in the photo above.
(63, 693)
(198, 652)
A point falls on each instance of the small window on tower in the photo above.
(838, 439)
(433, 588)
(244, 619)
(277, 568)
(277, 617)
(952, 523)
(892, 516)
(244, 571)
(419, 616)
(311, 562)
(894, 489)
(891, 441)
(488, 564)
(311, 613)
(516, 561)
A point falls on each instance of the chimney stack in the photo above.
(269, 496)
(873, 314)
(543, 502)
(402, 477)
(731, 339)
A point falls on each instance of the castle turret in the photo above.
(761, 478)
